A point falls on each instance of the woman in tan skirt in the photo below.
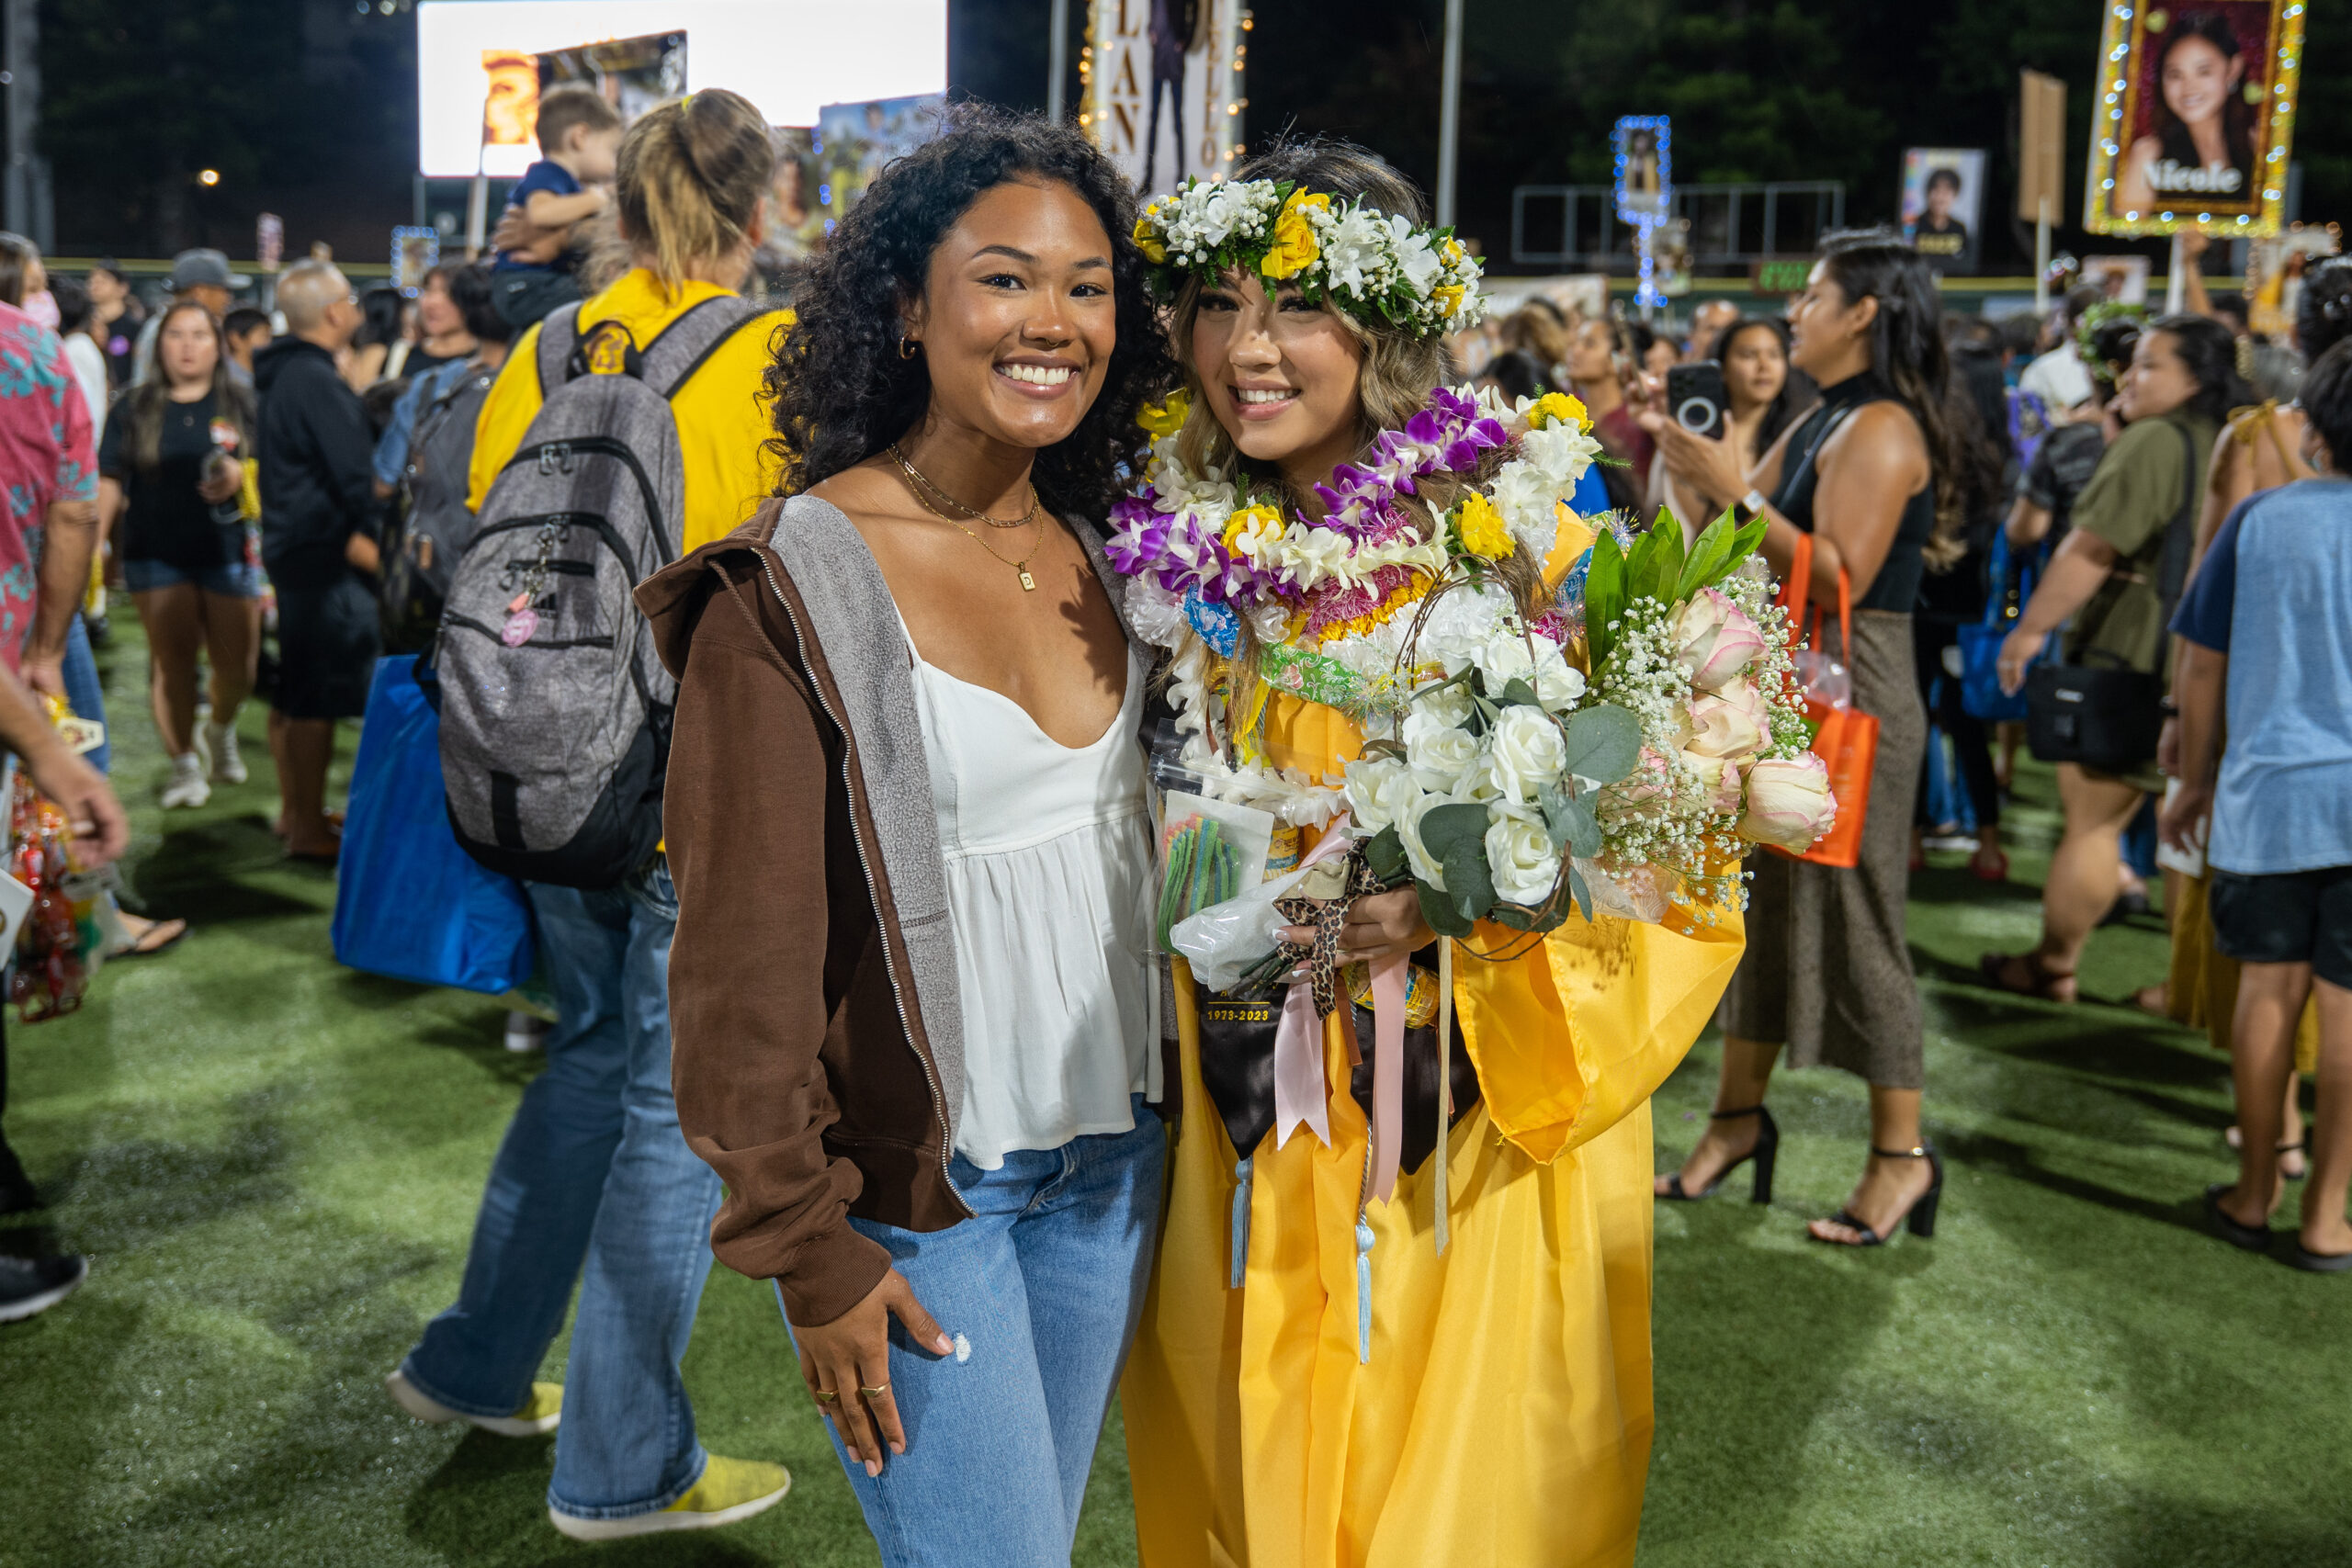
(1872, 476)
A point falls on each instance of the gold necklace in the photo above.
(923, 483)
(1020, 568)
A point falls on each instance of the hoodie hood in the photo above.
(272, 359)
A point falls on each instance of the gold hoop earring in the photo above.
(907, 347)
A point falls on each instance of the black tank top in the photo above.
(1897, 583)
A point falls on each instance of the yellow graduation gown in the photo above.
(1505, 1415)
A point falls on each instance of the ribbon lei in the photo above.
(1300, 1095)
(1389, 985)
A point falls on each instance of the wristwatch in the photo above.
(1753, 504)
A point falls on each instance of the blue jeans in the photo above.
(1040, 1290)
(84, 691)
(593, 1171)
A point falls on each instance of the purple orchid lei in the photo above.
(1185, 552)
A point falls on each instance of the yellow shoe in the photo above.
(730, 1489)
(539, 1415)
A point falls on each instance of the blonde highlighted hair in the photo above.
(692, 175)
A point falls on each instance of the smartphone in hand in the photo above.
(1697, 401)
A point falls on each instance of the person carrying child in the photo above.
(580, 136)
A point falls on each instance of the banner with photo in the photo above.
(631, 73)
(1162, 88)
(2196, 111)
(1943, 196)
(854, 141)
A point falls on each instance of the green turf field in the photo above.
(273, 1163)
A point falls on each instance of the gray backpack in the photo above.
(555, 713)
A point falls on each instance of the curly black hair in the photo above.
(841, 392)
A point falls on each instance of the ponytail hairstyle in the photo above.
(143, 404)
(2209, 351)
(691, 176)
(2324, 314)
(1907, 350)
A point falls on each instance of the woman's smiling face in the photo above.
(1017, 321)
(1278, 372)
(2198, 78)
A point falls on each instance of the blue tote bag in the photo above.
(1979, 643)
(409, 903)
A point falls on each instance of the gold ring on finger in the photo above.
(827, 1395)
(872, 1392)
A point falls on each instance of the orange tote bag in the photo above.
(1843, 738)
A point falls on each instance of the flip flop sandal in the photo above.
(2249, 1238)
(148, 947)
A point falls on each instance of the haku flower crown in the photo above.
(1382, 270)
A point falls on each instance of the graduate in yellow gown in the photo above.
(1503, 1413)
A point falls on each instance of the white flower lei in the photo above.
(1381, 267)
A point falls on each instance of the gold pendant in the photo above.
(1028, 584)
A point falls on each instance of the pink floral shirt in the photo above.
(47, 454)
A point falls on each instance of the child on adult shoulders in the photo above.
(580, 135)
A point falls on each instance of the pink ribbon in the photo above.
(1389, 976)
(1300, 1094)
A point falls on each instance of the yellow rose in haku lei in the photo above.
(1484, 532)
(1449, 299)
(1558, 408)
(1148, 240)
(1168, 418)
(1294, 248)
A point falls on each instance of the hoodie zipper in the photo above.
(889, 962)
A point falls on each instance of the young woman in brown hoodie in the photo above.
(906, 814)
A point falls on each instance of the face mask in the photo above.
(42, 307)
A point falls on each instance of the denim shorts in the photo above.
(241, 580)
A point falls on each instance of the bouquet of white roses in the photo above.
(1516, 784)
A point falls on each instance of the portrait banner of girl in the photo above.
(2200, 134)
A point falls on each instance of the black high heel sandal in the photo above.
(1766, 1152)
(1920, 1215)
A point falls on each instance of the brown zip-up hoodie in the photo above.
(817, 1037)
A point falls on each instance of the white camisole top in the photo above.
(1048, 852)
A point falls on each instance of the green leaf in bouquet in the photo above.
(1604, 597)
(1709, 556)
(1519, 694)
(1579, 891)
(1446, 828)
(1604, 744)
(1571, 820)
(1393, 751)
(1384, 857)
(1468, 881)
(1438, 909)
(1514, 917)
(1665, 541)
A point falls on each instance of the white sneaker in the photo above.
(220, 740)
(186, 786)
(526, 1032)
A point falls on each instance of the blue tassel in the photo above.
(1240, 1243)
(1363, 1290)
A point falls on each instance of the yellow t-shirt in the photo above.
(723, 415)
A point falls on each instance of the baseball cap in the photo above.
(193, 269)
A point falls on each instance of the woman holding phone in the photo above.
(1872, 475)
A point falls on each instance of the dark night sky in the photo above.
(308, 106)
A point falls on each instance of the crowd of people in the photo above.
(864, 1002)
(2077, 470)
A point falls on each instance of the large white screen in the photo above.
(787, 56)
